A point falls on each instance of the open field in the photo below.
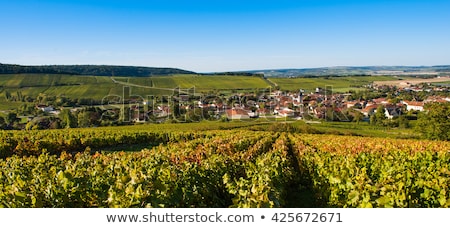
(414, 81)
(339, 84)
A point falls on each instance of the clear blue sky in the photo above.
(229, 35)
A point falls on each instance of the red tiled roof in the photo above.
(368, 108)
(232, 112)
(414, 103)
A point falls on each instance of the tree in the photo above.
(11, 118)
(40, 123)
(175, 107)
(358, 117)
(196, 114)
(379, 117)
(435, 123)
(7, 95)
(26, 109)
(403, 122)
(89, 117)
(84, 119)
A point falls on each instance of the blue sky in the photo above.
(206, 36)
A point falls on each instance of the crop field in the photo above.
(185, 167)
(412, 81)
(339, 84)
(207, 83)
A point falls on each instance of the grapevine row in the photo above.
(26, 143)
(205, 173)
(361, 172)
(219, 168)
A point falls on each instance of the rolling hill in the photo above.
(99, 87)
(102, 81)
(352, 71)
(95, 70)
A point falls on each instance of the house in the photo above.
(413, 105)
(200, 104)
(391, 112)
(369, 110)
(253, 114)
(381, 100)
(161, 111)
(237, 114)
(355, 104)
(367, 104)
(251, 103)
(320, 112)
(45, 108)
(263, 111)
(439, 99)
(184, 98)
(276, 93)
(297, 104)
(286, 112)
(139, 117)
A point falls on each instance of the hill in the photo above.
(30, 86)
(353, 71)
(95, 70)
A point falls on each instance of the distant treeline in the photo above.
(96, 70)
(443, 70)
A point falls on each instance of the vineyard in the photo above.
(98, 87)
(219, 168)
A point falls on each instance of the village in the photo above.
(321, 104)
